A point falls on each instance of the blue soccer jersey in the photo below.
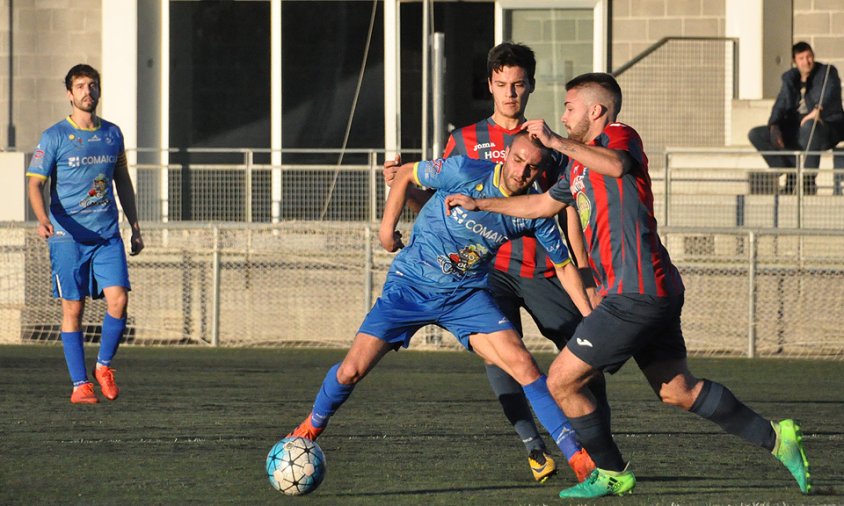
(80, 164)
(450, 251)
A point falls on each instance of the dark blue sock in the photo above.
(331, 396)
(74, 355)
(515, 405)
(112, 334)
(551, 416)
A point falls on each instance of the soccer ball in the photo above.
(295, 466)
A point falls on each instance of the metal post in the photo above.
(751, 277)
(426, 63)
(373, 188)
(367, 268)
(249, 156)
(667, 182)
(215, 279)
(438, 88)
(276, 189)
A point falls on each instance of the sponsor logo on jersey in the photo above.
(484, 145)
(94, 138)
(78, 161)
(39, 153)
(97, 193)
(496, 154)
(462, 217)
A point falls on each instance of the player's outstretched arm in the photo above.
(416, 197)
(390, 238)
(572, 283)
(35, 187)
(521, 206)
(126, 194)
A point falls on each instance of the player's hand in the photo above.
(594, 297)
(460, 200)
(136, 243)
(539, 130)
(45, 229)
(391, 240)
(391, 167)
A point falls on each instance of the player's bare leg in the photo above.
(364, 354)
(506, 350)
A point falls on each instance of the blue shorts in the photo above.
(403, 309)
(644, 327)
(84, 269)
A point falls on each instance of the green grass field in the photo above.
(195, 425)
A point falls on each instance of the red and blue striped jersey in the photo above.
(617, 215)
(486, 140)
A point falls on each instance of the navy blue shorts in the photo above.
(644, 327)
(82, 269)
(402, 309)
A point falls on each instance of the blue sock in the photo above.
(331, 396)
(112, 334)
(551, 416)
(74, 355)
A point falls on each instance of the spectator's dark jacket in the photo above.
(784, 111)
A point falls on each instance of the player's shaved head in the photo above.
(598, 88)
(523, 135)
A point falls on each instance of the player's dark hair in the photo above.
(800, 47)
(511, 54)
(602, 79)
(546, 151)
(81, 70)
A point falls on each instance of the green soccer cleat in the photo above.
(601, 483)
(789, 450)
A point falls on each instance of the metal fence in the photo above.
(752, 288)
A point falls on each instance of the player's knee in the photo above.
(349, 374)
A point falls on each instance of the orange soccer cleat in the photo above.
(582, 465)
(84, 394)
(306, 430)
(105, 377)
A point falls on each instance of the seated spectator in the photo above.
(801, 116)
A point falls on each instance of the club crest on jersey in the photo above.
(433, 167)
(463, 260)
(97, 193)
(584, 209)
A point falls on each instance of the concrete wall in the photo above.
(49, 37)
(638, 24)
(821, 24)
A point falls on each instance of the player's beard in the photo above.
(84, 106)
(578, 131)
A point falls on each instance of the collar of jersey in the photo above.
(496, 179)
(96, 126)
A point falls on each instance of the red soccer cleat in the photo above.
(582, 465)
(306, 430)
(84, 394)
(105, 377)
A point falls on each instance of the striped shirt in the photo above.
(486, 140)
(617, 215)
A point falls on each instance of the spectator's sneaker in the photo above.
(582, 465)
(84, 394)
(306, 430)
(105, 377)
(601, 483)
(789, 450)
(541, 465)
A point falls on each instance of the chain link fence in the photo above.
(292, 259)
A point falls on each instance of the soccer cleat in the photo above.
(541, 465)
(601, 483)
(306, 430)
(789, 450)
(105, 377)
(582, 465)
(84, 394)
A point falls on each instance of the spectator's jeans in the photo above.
(797, 139)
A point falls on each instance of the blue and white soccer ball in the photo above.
(295, 466)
